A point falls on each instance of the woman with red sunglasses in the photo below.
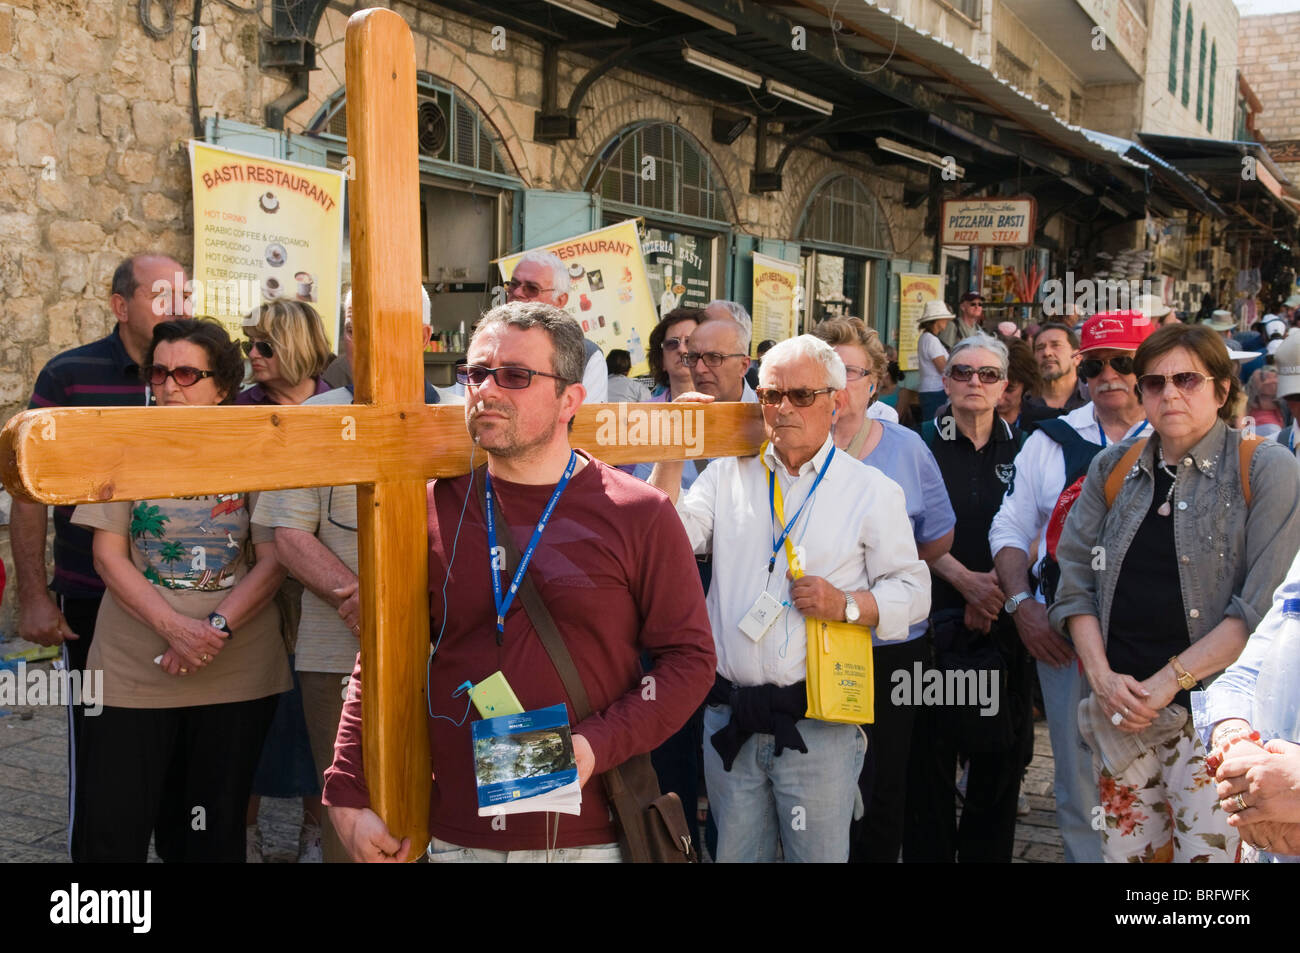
(188, 640)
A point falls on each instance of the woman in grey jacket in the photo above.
(1160, 589)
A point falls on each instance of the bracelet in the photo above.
(1215, 760)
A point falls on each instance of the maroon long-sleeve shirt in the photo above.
(618, 575)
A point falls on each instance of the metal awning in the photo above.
(1258, 188)
(1179, 188)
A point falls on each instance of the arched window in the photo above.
(451, 128)
(843, 212)
(657, 165)
(1200, 80)
(1173, 46)
(1214, 68)
(1188, 36)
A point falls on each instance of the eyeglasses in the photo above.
(1093, 366)
(1188, 382)
(530, 289)
(263, 348)
(800, 396)
(711, 358)
(964, 372)
(672, 344)
(854, 373)
(329, 515)
(156, 374)
(511, 378)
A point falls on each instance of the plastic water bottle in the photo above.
(1277, 692)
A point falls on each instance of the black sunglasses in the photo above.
(262, 347)
(156, 374)
(800, 396)
(511, 378)
(1094, 366)
(964, 372)
(531, 290)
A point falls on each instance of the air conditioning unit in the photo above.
(433, 127)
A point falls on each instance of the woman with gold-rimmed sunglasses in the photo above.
(1166, 567)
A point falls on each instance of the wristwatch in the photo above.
(851, 611)
(218, 622)
(1185, 678)
(1012, 604)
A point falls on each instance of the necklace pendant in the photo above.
(1164, 509)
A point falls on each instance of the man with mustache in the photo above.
(1032, 513)
(612, 594)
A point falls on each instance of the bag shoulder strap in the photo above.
(1245, 453)
(1116, 478)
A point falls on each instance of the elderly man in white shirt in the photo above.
(774, 775)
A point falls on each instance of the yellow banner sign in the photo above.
(609, 294)
(913, 292)
(776, 300)
(264, 229)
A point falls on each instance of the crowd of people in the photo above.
(1099, 523)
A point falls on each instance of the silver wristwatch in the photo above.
(851, 611)
(1012, 604)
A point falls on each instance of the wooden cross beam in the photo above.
(388, 442)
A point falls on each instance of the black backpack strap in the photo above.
(1078, 450)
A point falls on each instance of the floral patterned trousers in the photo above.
(1163, 808)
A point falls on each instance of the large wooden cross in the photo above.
(388, 442)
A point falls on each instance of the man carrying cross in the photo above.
(612, 594)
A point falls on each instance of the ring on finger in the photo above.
(1116, 718)
(1241, 803)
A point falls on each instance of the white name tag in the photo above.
(761, 616)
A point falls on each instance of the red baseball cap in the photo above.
(1120, 330)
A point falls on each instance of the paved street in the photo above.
(33, 791)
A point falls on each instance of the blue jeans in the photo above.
(803, 800)
(1076, 784)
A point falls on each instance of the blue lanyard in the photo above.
(1102, 430)
(771, 504)
(503, 605)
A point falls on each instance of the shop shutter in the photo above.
(547, 217)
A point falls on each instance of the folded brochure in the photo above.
(525, 763)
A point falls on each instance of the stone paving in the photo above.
(33, 794)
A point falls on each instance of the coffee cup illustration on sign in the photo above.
(272, 289)
(275, 254)
(306, 286)
(269, 203)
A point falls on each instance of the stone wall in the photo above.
(94, 116)
(1269, 58)
(1163, 112)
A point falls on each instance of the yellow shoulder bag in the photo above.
(841, 685)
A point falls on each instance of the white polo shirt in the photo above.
(854, 533)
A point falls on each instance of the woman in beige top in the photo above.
(188, 642)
